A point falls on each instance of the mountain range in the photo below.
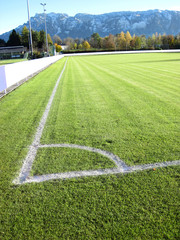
(84, 25)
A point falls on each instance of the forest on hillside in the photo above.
(118, 42)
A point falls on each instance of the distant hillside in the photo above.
(83, 25)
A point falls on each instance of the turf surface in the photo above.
(142, 205)
(9, 61)
(56, 160)
(127, 105)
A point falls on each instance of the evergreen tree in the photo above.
(95, 40)
(2, 43)
(35, 38)
(42, 39)
(14, 39)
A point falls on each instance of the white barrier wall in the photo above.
(123, 52)
(11, 74)
(2, 78)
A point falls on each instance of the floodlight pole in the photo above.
(31, 44)
(44, 4)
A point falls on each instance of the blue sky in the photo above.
(14, 12)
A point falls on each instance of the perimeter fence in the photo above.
(13, 75)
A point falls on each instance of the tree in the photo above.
(80, 46)
(86, 45)
(69, 42)
(150, 43)
(35, 38)
(2, 43)
(57, 39)
(42, 39)
(165, 44)
(132, 43)
(159, 40)
(153, 40)
(58, 47)
(110, 42)
(104, 45)
(121, 41)
(75, 45)
(95, 40)
(177, 41)
(138, 43)
(143, 41)
(14, 39)
(50, 42)
(170, 39)
(25, 37)
(77, 41)
(128, 39)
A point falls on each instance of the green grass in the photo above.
(137, 206)
(143, 205)
(9, 61)
(127, 105)
(56, 160)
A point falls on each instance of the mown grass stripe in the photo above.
(134, 77)
(104, 107)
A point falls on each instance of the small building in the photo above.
(12, 52)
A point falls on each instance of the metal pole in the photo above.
(31, 44)
(44, 4)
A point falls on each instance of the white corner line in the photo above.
(99, 172)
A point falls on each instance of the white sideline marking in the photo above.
(26, 168)
(121, 167)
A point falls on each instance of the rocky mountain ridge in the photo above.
(84, 25)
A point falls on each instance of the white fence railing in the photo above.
(11, 74)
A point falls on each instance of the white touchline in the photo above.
(121, 167)
(26, 168)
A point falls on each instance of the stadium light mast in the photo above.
(44, 4)
(30, 33)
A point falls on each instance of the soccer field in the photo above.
(124, 106)
(127, 105)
